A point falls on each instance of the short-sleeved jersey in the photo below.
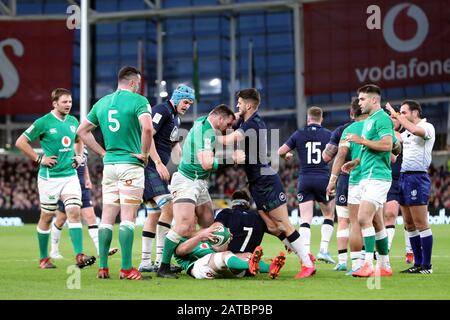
(57, 138)
(117, 115)
(417, 150)
(256, 157)
(247, 227)
(166, 123)
(354, 148)
(377, 164)
(202, 249)
(310, 143)
(201, 137)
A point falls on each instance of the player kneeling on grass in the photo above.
(197, 257)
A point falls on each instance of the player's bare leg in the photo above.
(355, 239)
(326, 231)
(43, 234)
(72, 205)
(148, 235)
(109, 215)
(57, 226)
(130, 200)
(306, 214)
(185, 219)
(342, 235)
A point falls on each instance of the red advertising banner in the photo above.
(35, 58)
(392, 44)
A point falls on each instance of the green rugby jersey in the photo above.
(355, 149)
(202, 249)
(201, 137)
(57, 138)
(117, 115)
(377, 164)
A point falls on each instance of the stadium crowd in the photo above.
(18, 187)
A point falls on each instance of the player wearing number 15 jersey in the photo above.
(313, 178)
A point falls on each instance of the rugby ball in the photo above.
(221, 238)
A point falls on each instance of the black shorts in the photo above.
(312, 187)
(342, 190)
(268, 192)
(394, 191)
(154, 185)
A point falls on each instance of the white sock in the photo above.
(342, 257)
(390, 234)
(288, 244)
(356, 259)
(301, 251)
(161, 231)
(305, 234)
(326, 233)
(407, 243)
(55, 237)
(147, 241)
(93, 233)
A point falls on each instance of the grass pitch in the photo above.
(22, 279)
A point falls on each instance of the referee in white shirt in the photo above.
(418, 140)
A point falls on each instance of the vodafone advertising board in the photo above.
(35, 58)
(393, 44)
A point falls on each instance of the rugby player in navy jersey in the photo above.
(157, 197)
(246, 226)
(264, 183)
(313, 178)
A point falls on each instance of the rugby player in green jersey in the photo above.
(57, 178)
(124, 117)
(377, 140)
(189, 186)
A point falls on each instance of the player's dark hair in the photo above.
(58, 92)
(223, 110)
(127, 72)
(250, 94)
(315, 113)
(240, 194)
(355, 107)
(370, 88)
(413, 105)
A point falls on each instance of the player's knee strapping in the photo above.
(72, 202)
(342, 212)
(151, 207)
(49, 207)
(344, 233)
(163, 200)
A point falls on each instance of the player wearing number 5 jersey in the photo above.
(124, 117)
(313, 178)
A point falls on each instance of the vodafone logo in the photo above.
(66, 141)
(390, 36)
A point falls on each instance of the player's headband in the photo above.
(240, 203)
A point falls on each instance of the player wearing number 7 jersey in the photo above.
(124, 117)
(313, 178)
